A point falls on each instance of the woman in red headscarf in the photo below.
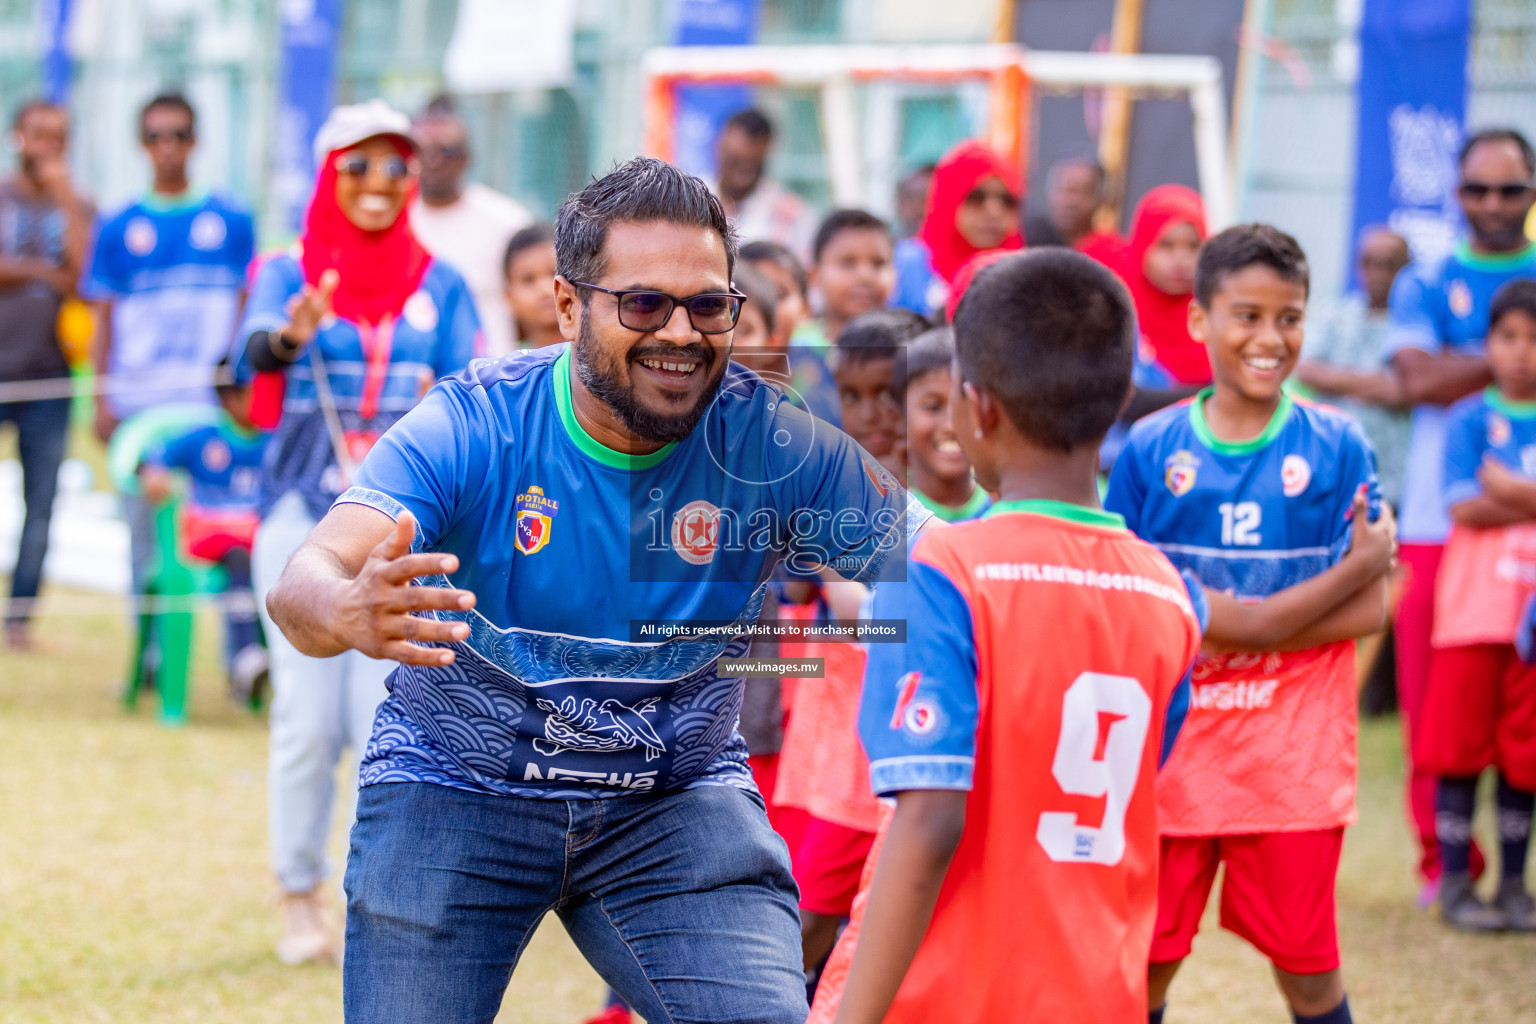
(345, 332)
(973, 206)
(1159, 268)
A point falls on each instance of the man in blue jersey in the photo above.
(169, 271)
(1438, 317)
(545, 746)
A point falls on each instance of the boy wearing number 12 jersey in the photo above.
(1259, 496)
(1020, 726)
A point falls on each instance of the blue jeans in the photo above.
(682, 900)
(42, 428)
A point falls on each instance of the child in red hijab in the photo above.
(973, 206)
(1166, 233)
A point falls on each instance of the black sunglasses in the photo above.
(182, 135)
(640, 310)
(1475, 190)
(980, 196)
(357, 165)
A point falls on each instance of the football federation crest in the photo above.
(216, 456)
(1459, 297)
(140, 236)
(878, 476)
(207, 231)
(1179, 473)
(1295, 475)
(535, 517)
(1499, 430)
(921, 717)
(696, 532)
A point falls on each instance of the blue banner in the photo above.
(703, 109)
(53, 19)
(311, 30)
(1413, 97)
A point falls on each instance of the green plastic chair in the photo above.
(173, 579)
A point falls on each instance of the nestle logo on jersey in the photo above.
(1239, 696)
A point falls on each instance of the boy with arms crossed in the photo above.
(1260, 497)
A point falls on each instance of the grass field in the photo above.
(134, 882)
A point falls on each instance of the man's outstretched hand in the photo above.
(376, 612)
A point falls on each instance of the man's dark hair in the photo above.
(839, 221)
(878, 334)
(1248, 245)
(32, 106)
(1527, 155)
(1051, 335)
(932, 350)
(169, 101)
(779, 256)
(752, 122)
(642, 189)
(758, 289)
(1514, 297)
(530, 236)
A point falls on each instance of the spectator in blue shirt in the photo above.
(169, 273)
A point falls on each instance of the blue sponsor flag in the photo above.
(1413, 97)
(703, 109)
(310, 32)
(53, 19)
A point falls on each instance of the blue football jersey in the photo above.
(437, 333)
(569, 684)
(1481, 425)
(1435, 308)
(174, 271)
(1248, 518)
(222, 461)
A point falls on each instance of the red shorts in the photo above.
(1479, 712)
(788, 822)
(828, 865)
(1277, 894)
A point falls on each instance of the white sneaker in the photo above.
(306, 939)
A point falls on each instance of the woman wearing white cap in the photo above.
(342, 335)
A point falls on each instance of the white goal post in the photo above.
(1014, 73)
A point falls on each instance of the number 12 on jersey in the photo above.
(1240, 523)
(1104, 724)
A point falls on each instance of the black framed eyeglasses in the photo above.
(356, 165)
(1478, 190)
(642, 310)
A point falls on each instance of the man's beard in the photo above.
(604, 378)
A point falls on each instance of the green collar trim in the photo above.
(589, 445)
(1060, 510)
(191, 199)
(1493, 260)
(1269, 433)
(1514, 410)
(954, 513)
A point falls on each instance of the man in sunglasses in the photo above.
(1438, 317)
(464, 223)
(546, 746)
(168, 272)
